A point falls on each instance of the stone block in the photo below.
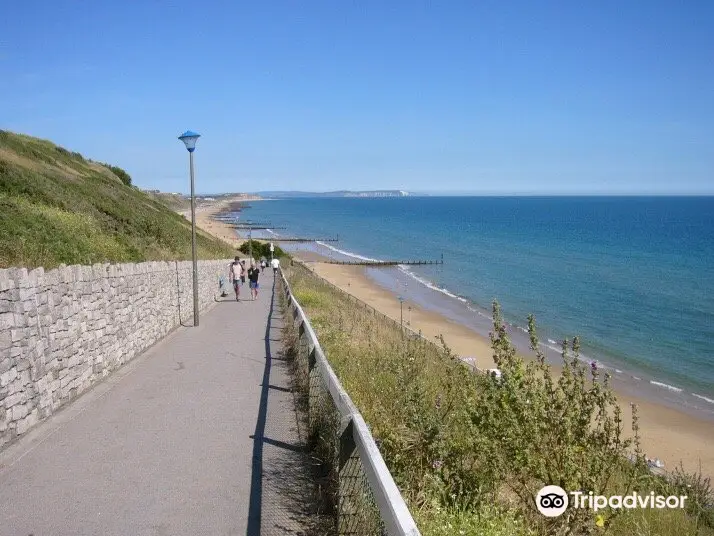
(24, 377)
(6, 282)
(14, 386)
(26, 293)
(7, 377)
(18, 412)
(19, 276)
(7, 320)
(33, 417)
(12, 399)
(22, 427)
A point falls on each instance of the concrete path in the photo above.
(167, 445)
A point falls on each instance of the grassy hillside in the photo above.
(56, 207)
(175, 202)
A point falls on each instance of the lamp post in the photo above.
(189, 139)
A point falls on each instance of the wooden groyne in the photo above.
(253, 228)
(383, 263)
(298, 239)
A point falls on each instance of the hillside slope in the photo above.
(56, 207)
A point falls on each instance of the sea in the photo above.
(633, 277)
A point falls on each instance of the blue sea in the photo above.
(633, 277)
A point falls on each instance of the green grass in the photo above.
(56, 207)
(175, 202)
(446, 453)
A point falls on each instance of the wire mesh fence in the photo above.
(366, 499)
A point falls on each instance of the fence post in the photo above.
(314, 389)
(347, 481)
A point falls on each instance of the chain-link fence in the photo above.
(367, 500)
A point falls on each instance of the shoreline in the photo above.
(205, 218)
(668, 434)
(640, 383)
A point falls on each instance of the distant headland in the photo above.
(337, 193)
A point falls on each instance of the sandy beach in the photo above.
(667, 434)
(205, 218)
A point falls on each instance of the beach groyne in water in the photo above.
(383, 263)
(63, 330)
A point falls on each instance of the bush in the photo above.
(260, 249)
(119, 172)
(565, 430)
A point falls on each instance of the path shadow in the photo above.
(281, 485)
(256, 481)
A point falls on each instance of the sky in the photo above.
(532, 97)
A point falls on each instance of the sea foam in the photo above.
(666, 386)
(703, 398)
(431, 285)
(347, 253)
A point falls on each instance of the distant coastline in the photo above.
(290, 194)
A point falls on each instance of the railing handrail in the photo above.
(392, 507)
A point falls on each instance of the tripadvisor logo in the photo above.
(552, 501)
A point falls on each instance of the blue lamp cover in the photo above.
(189, 138)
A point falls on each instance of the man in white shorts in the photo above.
(235, 271)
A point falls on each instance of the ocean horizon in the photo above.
(632, 276)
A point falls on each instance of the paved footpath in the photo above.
(167, 444)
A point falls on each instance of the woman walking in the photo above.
(253, 273)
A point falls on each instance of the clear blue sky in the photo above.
(492, 96)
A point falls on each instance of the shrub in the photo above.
(119, 172)
(564, 431)
(260, 249)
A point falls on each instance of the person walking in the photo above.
(243, 272)
(262, 265)
(235, 274)
(275, 263)
(253, 273)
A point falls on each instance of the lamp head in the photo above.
(189, 139)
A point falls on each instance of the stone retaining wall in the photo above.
(63, 330)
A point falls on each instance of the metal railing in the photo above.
(368, 500)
